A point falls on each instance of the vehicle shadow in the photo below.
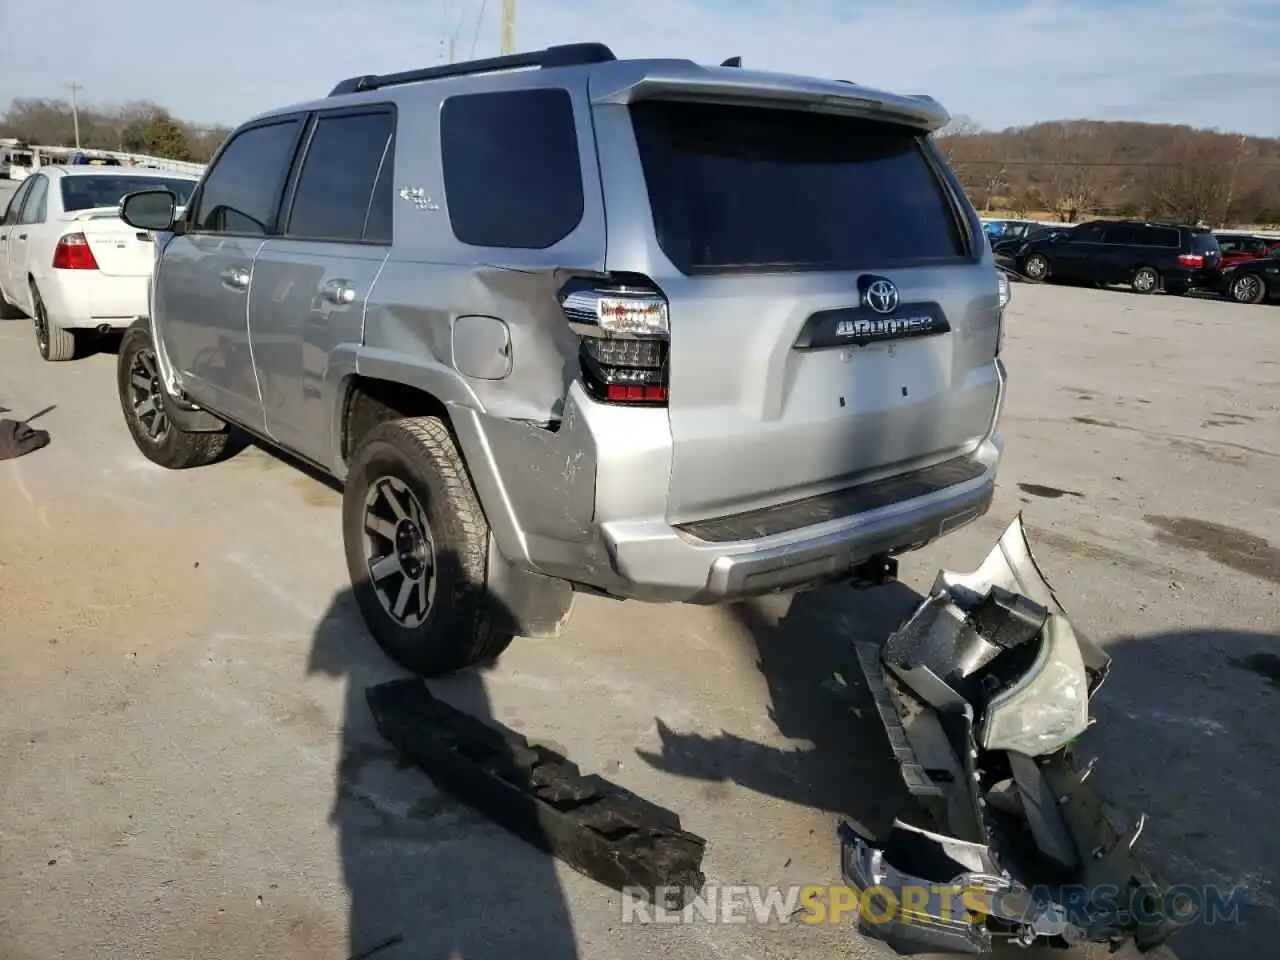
(1178, 737)
(427, 878)
(807, 660)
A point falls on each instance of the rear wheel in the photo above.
(417, 545)
(141, 391)
(55, 343)
(1248, 288)
(1146, 280)
(1036, 267)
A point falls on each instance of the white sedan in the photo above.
(68, 261)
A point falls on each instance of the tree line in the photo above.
(139, 126)
(1082, 168)
(1069, 169)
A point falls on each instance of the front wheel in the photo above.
(417, 544)
(1248, 288)
(142, 403)
(1036, 267)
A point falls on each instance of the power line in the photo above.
(960, 161)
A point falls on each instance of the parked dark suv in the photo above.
(1147, 256)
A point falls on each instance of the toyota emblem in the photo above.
(882, 297)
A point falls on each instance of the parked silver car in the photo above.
(645, 328)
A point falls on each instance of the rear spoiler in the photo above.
(630, 82)
(96, 213)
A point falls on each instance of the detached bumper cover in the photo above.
(967, 879)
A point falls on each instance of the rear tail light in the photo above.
(1191, 259)
(1004, 295)
(73, 253)
(624, 332)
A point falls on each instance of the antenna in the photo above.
(732, 62)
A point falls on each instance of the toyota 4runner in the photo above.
(562, 322)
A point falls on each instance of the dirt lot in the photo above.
(189, 769)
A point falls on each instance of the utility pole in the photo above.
(1235, 173)
(75, 111)
(508, 26)
(452, 41)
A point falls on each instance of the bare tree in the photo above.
(1194, 182)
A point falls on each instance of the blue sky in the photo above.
(1002, 62)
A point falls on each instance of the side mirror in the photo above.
(149, 209)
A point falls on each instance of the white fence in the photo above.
(17, 161)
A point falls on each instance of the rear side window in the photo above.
(241, 194)
(1204, 242)
(512, 174)
(1161, 237)
(759, 189)
(37, 205)
(1122, 233)
(344, 190)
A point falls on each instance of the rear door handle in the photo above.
(237, 278)
(338, 291)
(22, 236)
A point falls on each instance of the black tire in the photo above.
(1145, 280)
(1248, 288)
(156, 436)
(408, 504)
(1036, 268)
(55, 344)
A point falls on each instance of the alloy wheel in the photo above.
(41, 321)
(399, 551)
(145, 395)
(1246, 289)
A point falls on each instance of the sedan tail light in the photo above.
(73, 253)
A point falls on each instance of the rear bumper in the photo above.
(87, 299)
(661, 562)
(1203, 278)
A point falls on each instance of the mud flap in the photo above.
(594, 826)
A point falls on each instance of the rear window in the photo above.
(1204, 242)
(758, 189)
(84, 193)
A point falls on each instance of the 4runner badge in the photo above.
(419, 198)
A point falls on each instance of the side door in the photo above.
(29, 246)
(201, 288)
(1122, 252)
(1075, 254)
(311, 283)
(7, 231)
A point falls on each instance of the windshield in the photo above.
(749, 188)
(85, 193)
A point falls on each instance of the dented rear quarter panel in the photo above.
(513, 427)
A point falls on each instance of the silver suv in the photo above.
(562, 322)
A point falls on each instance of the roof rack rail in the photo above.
(566, 55)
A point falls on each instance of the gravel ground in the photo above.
(189, 769)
